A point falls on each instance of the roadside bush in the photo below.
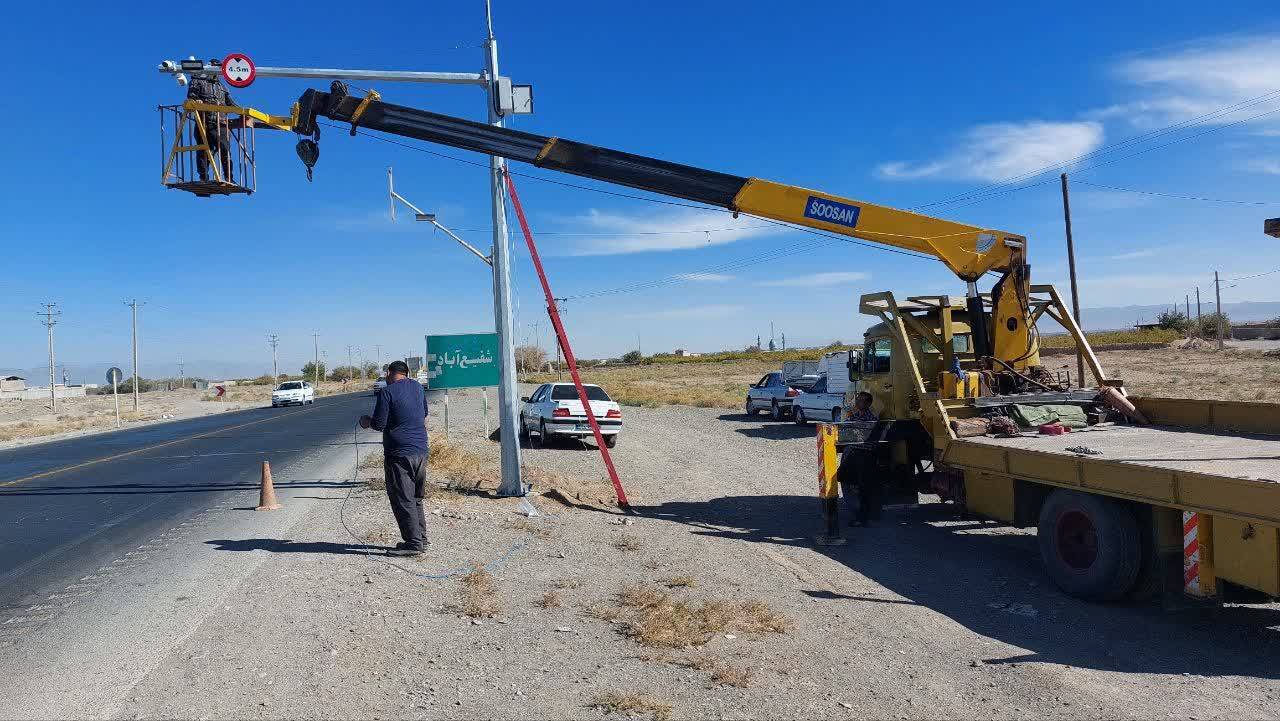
(632, 356)
(344, 373)
(1207, 327)
(309, 371)
(530, 358)
(1174, 319)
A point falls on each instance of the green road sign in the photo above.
(467, 360)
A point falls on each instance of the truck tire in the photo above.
(1090, 545)
(797, 415)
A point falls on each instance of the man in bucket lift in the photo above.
(205, 89)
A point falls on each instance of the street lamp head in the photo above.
(425, 217)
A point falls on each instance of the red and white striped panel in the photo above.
(1191, 553)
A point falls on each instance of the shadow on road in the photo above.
(778, 432)
(280, 545)
(992, 583)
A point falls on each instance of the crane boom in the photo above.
(970, 251)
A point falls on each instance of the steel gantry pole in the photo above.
(508, 393)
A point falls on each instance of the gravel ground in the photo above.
(921, 616)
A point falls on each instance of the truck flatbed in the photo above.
(1227, 473)
(1249, 457)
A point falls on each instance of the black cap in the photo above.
(398, 367)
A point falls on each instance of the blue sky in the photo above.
(869, 100)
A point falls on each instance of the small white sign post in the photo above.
(113, 376)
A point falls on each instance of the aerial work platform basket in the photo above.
(209, 149)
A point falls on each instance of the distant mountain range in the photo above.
(1122, 317)
(96, 371)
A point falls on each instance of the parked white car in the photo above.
(293, 392)
(819, 404)
(555, 410)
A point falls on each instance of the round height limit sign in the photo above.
(238, 70)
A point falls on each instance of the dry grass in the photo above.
(629, 703)
(706, 385)
(479, 594)
(685, 581)
(1111, 337)
(737, 676)
(567, 583)
(626, 542)
(533, 528)
(460, 467)
(604, 612)
(63, 424)
(654, 618)
(550, 599)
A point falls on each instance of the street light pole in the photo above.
(508, 394)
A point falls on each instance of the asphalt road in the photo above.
(69, 508)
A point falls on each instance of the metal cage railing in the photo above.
(206, 152)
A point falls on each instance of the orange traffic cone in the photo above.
(267, 498)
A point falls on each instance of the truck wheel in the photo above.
(1090, 545)
(775, 411)
(797, 415)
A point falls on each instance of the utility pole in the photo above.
(1188, 296)
(50, 316)
(1197, 305)
(784, 342)
(1071, 266)
(508, 394)
(182, 377)
(559, 309)
(274, 340)
(133, 305)
(315, 369)
(1217, 291)
(349, 366)
(378, 358)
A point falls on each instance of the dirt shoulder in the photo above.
(711, 603)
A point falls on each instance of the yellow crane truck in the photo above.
(1178, 497)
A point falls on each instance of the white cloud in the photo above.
(1270, 166)
(697, 312)
(704, 277)
(817, 279)
(1199, 79)
(681, 230)
(997, 151)
(1133, 254)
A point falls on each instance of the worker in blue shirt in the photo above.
(400, 412)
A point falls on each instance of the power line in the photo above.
(1179, 197)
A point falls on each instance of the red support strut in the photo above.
(563, 339)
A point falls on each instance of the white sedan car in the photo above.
(555, 410)
(293, 392)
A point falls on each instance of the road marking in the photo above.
(136, 451)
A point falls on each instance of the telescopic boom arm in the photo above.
(969, 251)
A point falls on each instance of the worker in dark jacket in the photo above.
(859, 474)
(400, 412)
(205, 89)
